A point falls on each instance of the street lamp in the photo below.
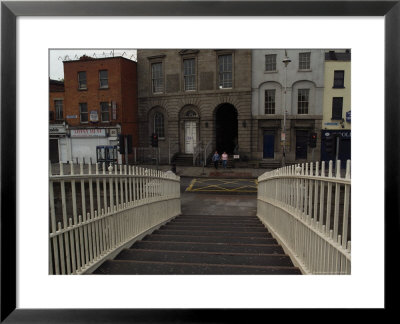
(285, 61)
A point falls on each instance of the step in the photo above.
(208, 227)
(210, 247)
(125, 267)
(212, 233)
(206, 257)
(209, 239)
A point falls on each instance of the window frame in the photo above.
(339, 104)
(303, 106)
(160, 78)
(225, 72)
(80, 81)
(270, 110)
(102, 78)
(185, 76)
(307, 62)
(268, 63)
(102, 105)
(337, 80)
(160, 126)
(83, 113)
(56, 112)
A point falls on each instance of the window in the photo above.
(159, 124)
(303, 101)
(189, 74)
(84, 112)
(157, 78)
(270, 101)
(338, 81)
(304, 61)
(337, 108)
(270, 62)
(58, 105)
(103, 77)
(82, 80)
(225, 71)
(105, 112)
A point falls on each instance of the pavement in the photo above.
(211, 172)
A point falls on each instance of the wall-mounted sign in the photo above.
(94, 117)
(331, 124)
(72, 116)
(91, 132)
(114, 110)
(348, 116)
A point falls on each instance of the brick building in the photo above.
(57, 131)
(195, 98)
(100, 102)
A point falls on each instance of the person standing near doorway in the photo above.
(215, 159)
(224, 160)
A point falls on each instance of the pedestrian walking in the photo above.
(224, 160)
(215, 159)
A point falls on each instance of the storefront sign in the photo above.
(57, 129)
(92, 132)
(94, 117)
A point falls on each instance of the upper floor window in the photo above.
(270, 62)
(83, 110)
(189, 74)
(303, 101)
(159, 124)
(103, 78)
(338, 81)
(269, 101)
(157, 78)
(304, 61)
(225, 71)
(58, 105)
(105, 112)
(82, 80)
(337, 108)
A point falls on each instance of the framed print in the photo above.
(220, 13)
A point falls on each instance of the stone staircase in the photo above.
(182, 159)
(204, 244)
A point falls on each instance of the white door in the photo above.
(190, 136)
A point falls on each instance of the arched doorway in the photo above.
(226, 128)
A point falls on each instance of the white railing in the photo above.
(94, 213)
(197, 152)
(308, 211)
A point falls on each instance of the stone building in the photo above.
(274, 133)
(195, 99)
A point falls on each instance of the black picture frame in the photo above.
(10, 10)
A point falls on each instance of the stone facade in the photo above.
(195, 96)
(303, 78)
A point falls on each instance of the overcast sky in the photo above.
(57, 56)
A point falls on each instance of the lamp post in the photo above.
(285, 61)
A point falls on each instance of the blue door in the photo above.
(268, 150)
